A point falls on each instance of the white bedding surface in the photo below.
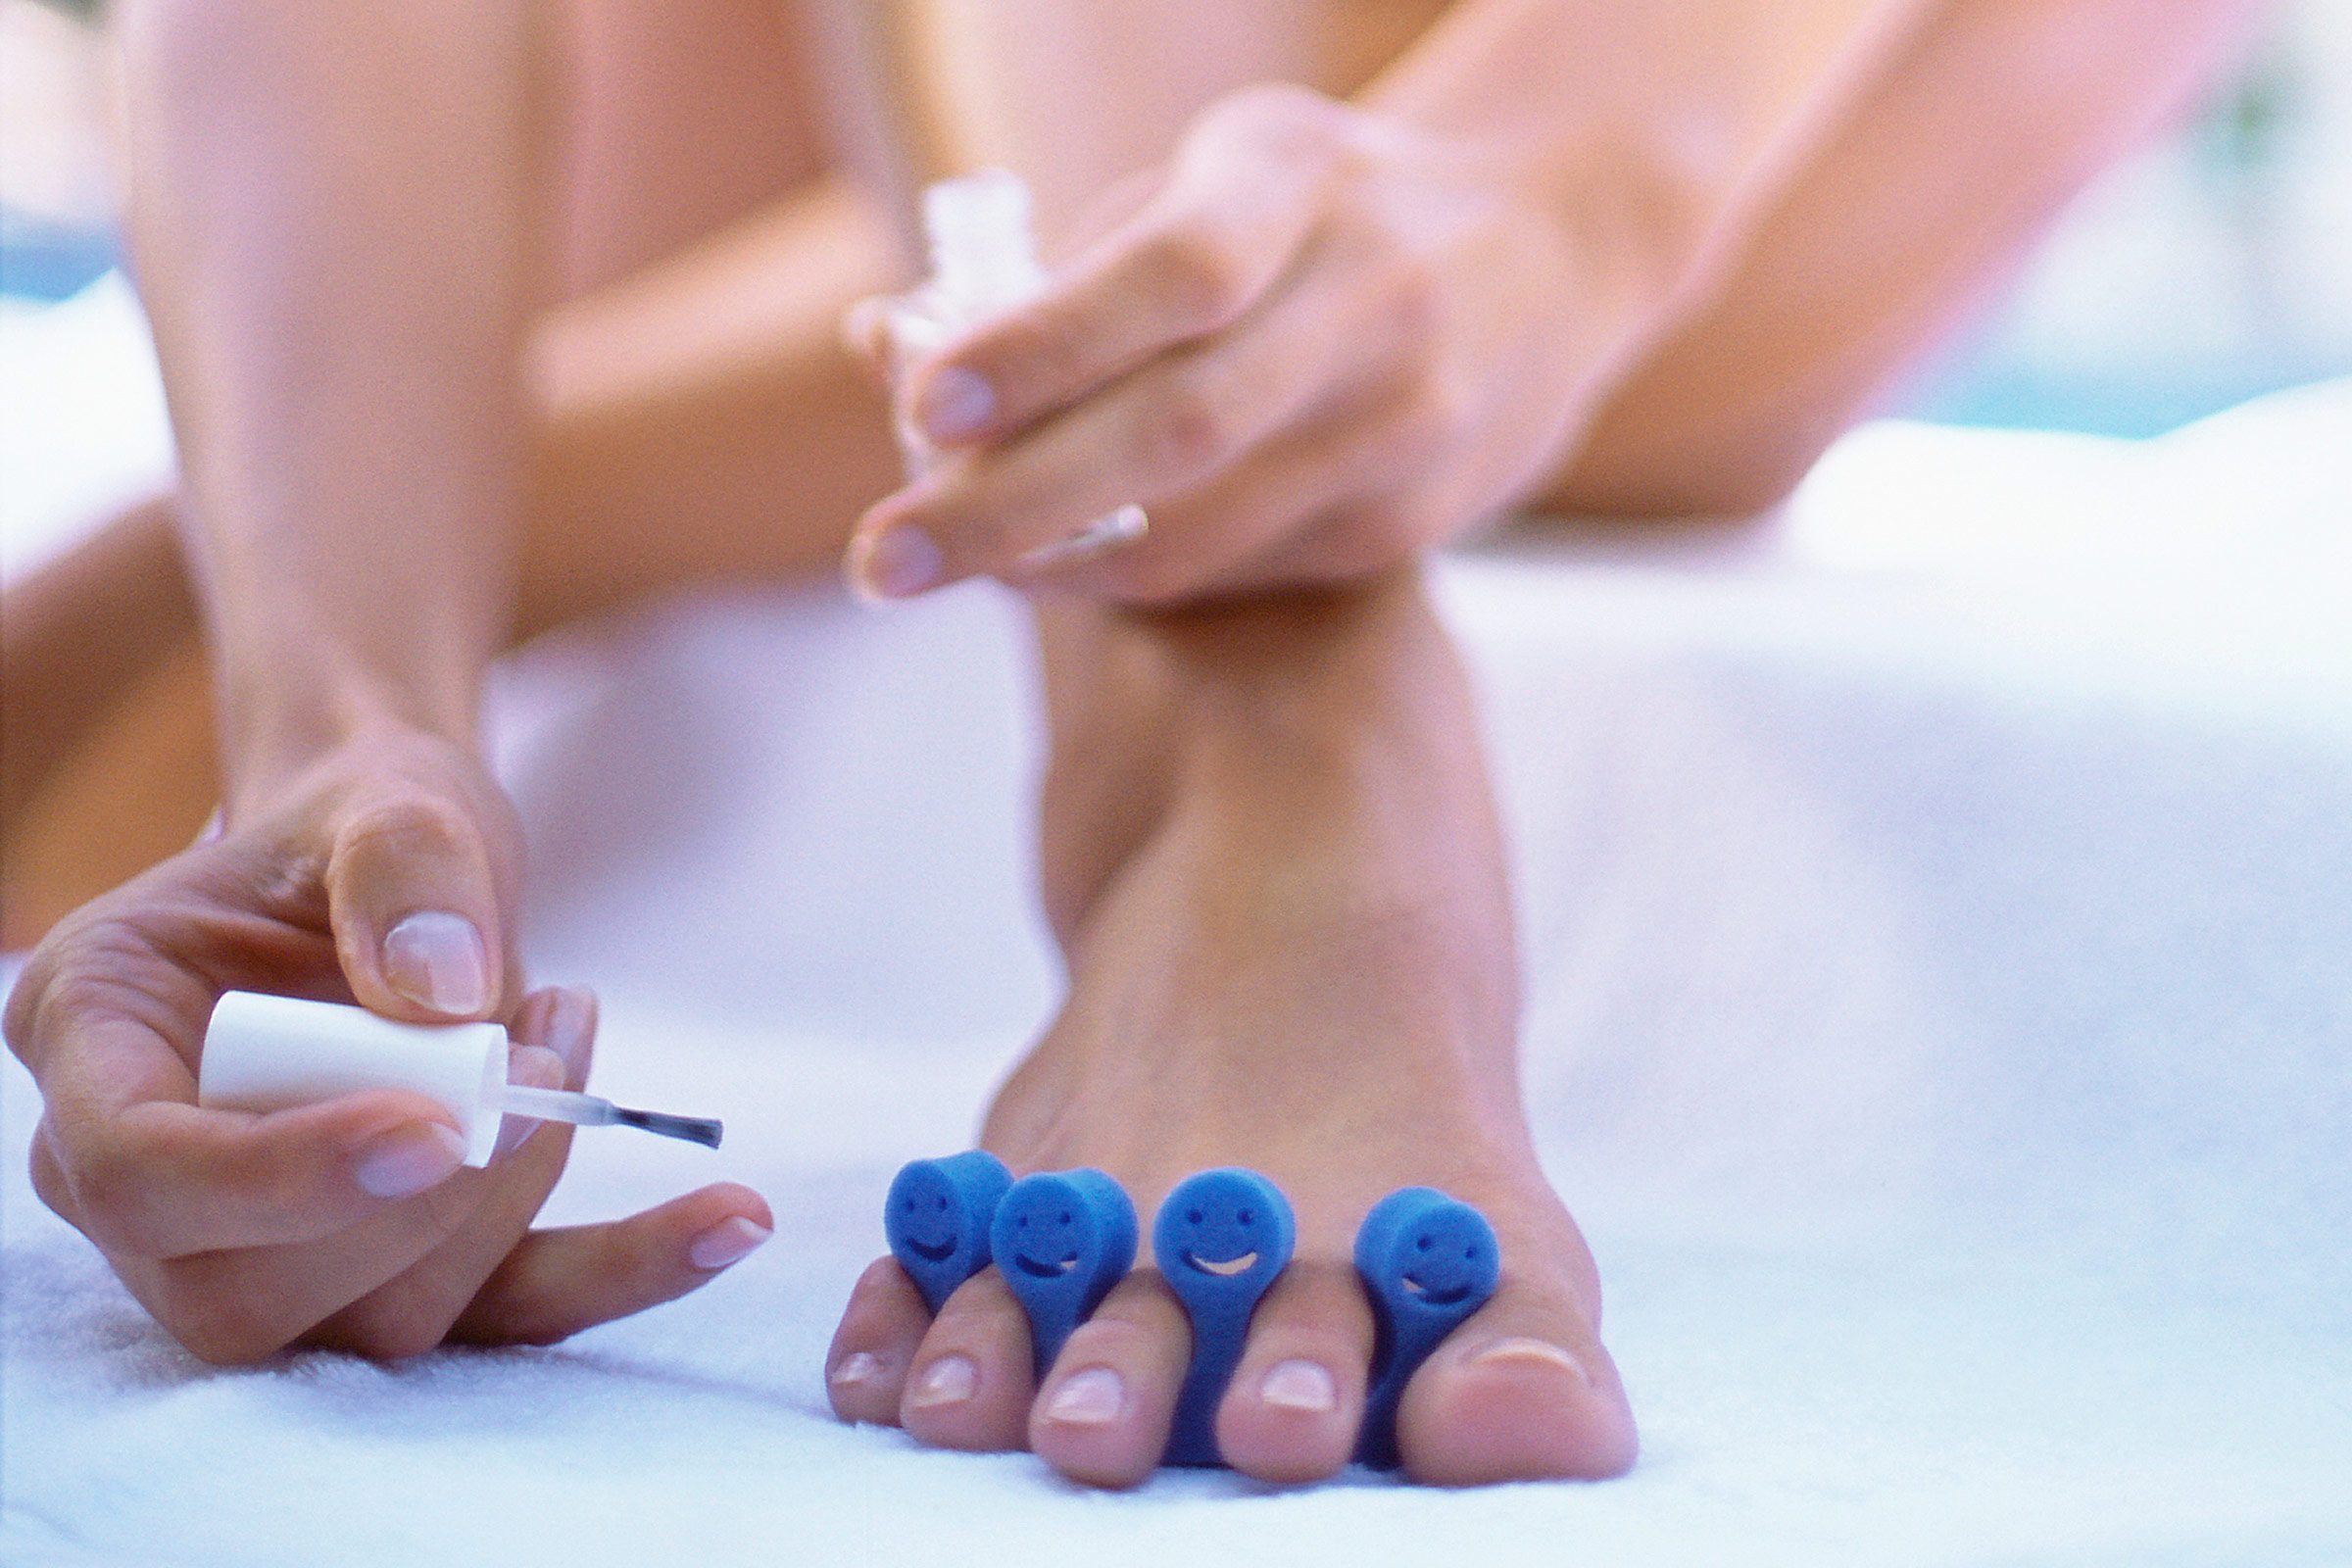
(1938, 915)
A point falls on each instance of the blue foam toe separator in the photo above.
(1061, 1239)
(1427, 1261)
(938, 1215)
(1220, 1240)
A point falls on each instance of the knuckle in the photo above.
(1436, 412)
(49, 1179)
(113, 1186)
(403, 825)
(386, 1331)
(79, 973)
(220, 1327)
(1188, 434)
(1196, 279)
(1032, 364)
(1413, 304)
(1285, 118)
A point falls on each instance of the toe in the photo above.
(969, 1384)
(1291, 1410)
(875, 1344)
(1521, 1391)
(1103, 1413)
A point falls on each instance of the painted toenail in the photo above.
(1530, 1352)
(1088, 1399)
(858, 1367)
(949, 1380)
(1300, 1386)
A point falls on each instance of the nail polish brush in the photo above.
(264, 1053)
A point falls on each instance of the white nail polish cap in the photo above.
(983, 263)
(983, 258)
(266, 1053)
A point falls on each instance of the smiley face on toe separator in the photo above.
(1220, 1240)
(1061, 1239)
(1427, 1262)
(937, 1218)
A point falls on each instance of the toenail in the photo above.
(1530, 1352)
(1088, 1399)
(949, 1380)
(858, 1367)
(1300, 1386)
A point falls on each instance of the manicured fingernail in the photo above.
(571, 1029)
(408, 1160)
(539, 1069)
(1300, 1386)
(858, 1366)
(730, 1241)
(949, 1380)
(436, 959)
(954, 403)
(1530, 1352)
(897, 565)
(1090, 1399)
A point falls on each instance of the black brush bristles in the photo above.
(701, 1130)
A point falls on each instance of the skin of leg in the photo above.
(1271, 853)
(706, 384)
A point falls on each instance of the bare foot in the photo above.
(1326, 994)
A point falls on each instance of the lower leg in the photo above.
(1272, 857)
(701, 422)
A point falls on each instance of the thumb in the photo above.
(415, 901)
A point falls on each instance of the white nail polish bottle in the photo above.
(264, 1053)
(984, 261)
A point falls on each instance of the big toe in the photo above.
(1523, 1391)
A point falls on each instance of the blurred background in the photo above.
(2216, 264)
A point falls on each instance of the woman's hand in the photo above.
(383, 873)
(1323, 341)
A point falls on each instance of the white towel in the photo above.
(1938, 910)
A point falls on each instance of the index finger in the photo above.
(155, 1175)
(162, 1178)
(1207, 246)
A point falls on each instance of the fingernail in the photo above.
(954, 403)
(539, 1069)
(1090, 1399)
(858, 1366)
(897, 565)
(436, 959)
(408, 1160)
(730, 1241)
(1300, 1386)
(1530, 1352)
(570, 1030)
(949, 1380)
